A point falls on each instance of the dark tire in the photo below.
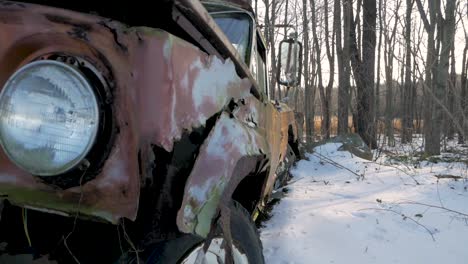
(244, 236)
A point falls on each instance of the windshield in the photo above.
(236, 26)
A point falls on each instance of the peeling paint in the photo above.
(161, 88)
(195, 85)
(163, 79)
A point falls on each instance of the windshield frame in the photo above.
(251, 21)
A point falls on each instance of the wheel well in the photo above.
(249, 190)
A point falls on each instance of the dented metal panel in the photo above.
(188, 87)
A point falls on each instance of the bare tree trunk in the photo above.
(377, 84)
(413, 111)
(463, 98)
(401, 84)
(449, 119)
(431, 60)
(366, 106)
(318, 55)
(285, 22)
(389, 108)
(390, 41)
(309, 98)
(256, 8)
(407, 119)
(270, 20)
(364, 72)
(326, 125)
(446, 33)
(357, 21)
(463, 132)
(344, 71)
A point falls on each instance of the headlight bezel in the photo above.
(92, 159)
(10, 89)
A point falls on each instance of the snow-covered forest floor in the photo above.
(402, 208)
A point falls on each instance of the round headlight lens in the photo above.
(49, 117)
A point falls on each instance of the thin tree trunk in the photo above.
(344, 70)
(256, 8)
(450, 133)
(413, 110)
(388, 64)
(407, 122)
(357, 21)
(463, 97)
(309, 98)
(464, 91)
(270, 20)
(400, 84)
(318, 55)
(331, 61)
(377, 85)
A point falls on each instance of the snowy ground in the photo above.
(343, 209)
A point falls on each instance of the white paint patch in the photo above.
(199, 192)
(167, 49)
(215, 82)
(244, 142)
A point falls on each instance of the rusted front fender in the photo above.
(219, 168)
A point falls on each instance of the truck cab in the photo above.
(238, 23)
(132, 134)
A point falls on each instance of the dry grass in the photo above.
(334, 124)
(380, 127)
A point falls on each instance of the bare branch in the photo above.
(427, 25)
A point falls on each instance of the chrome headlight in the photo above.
(49, 117)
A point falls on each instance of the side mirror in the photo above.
(289, 63)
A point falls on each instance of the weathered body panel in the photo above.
(228, 143)
(160, 87)
(255, 129)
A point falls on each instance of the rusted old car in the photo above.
(134, 133)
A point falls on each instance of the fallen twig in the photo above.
(336, 164)
(435, 206)
(405, 172)
(448, 176)
(404, 217)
